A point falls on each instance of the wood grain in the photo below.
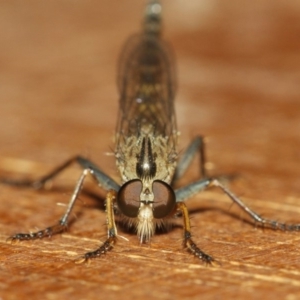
(238, 85)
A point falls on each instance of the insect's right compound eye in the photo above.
(128, 199)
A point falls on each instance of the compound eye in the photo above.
(164, 199)
(128, 199)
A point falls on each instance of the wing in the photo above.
(147, 87)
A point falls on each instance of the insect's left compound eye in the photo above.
(164, 199)
(128, 199)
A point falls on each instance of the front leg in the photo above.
(112, 231)
(187, 236)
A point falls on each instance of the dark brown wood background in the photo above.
(239, 85)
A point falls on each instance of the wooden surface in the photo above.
(238, 74)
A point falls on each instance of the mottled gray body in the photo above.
(146, 135)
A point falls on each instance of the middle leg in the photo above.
(188, 191)
(63, 222)
(196, 146)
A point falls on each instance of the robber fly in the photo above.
(145, 151)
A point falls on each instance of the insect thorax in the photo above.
(146, 156)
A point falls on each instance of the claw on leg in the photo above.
(194, 249)
(105, 247)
